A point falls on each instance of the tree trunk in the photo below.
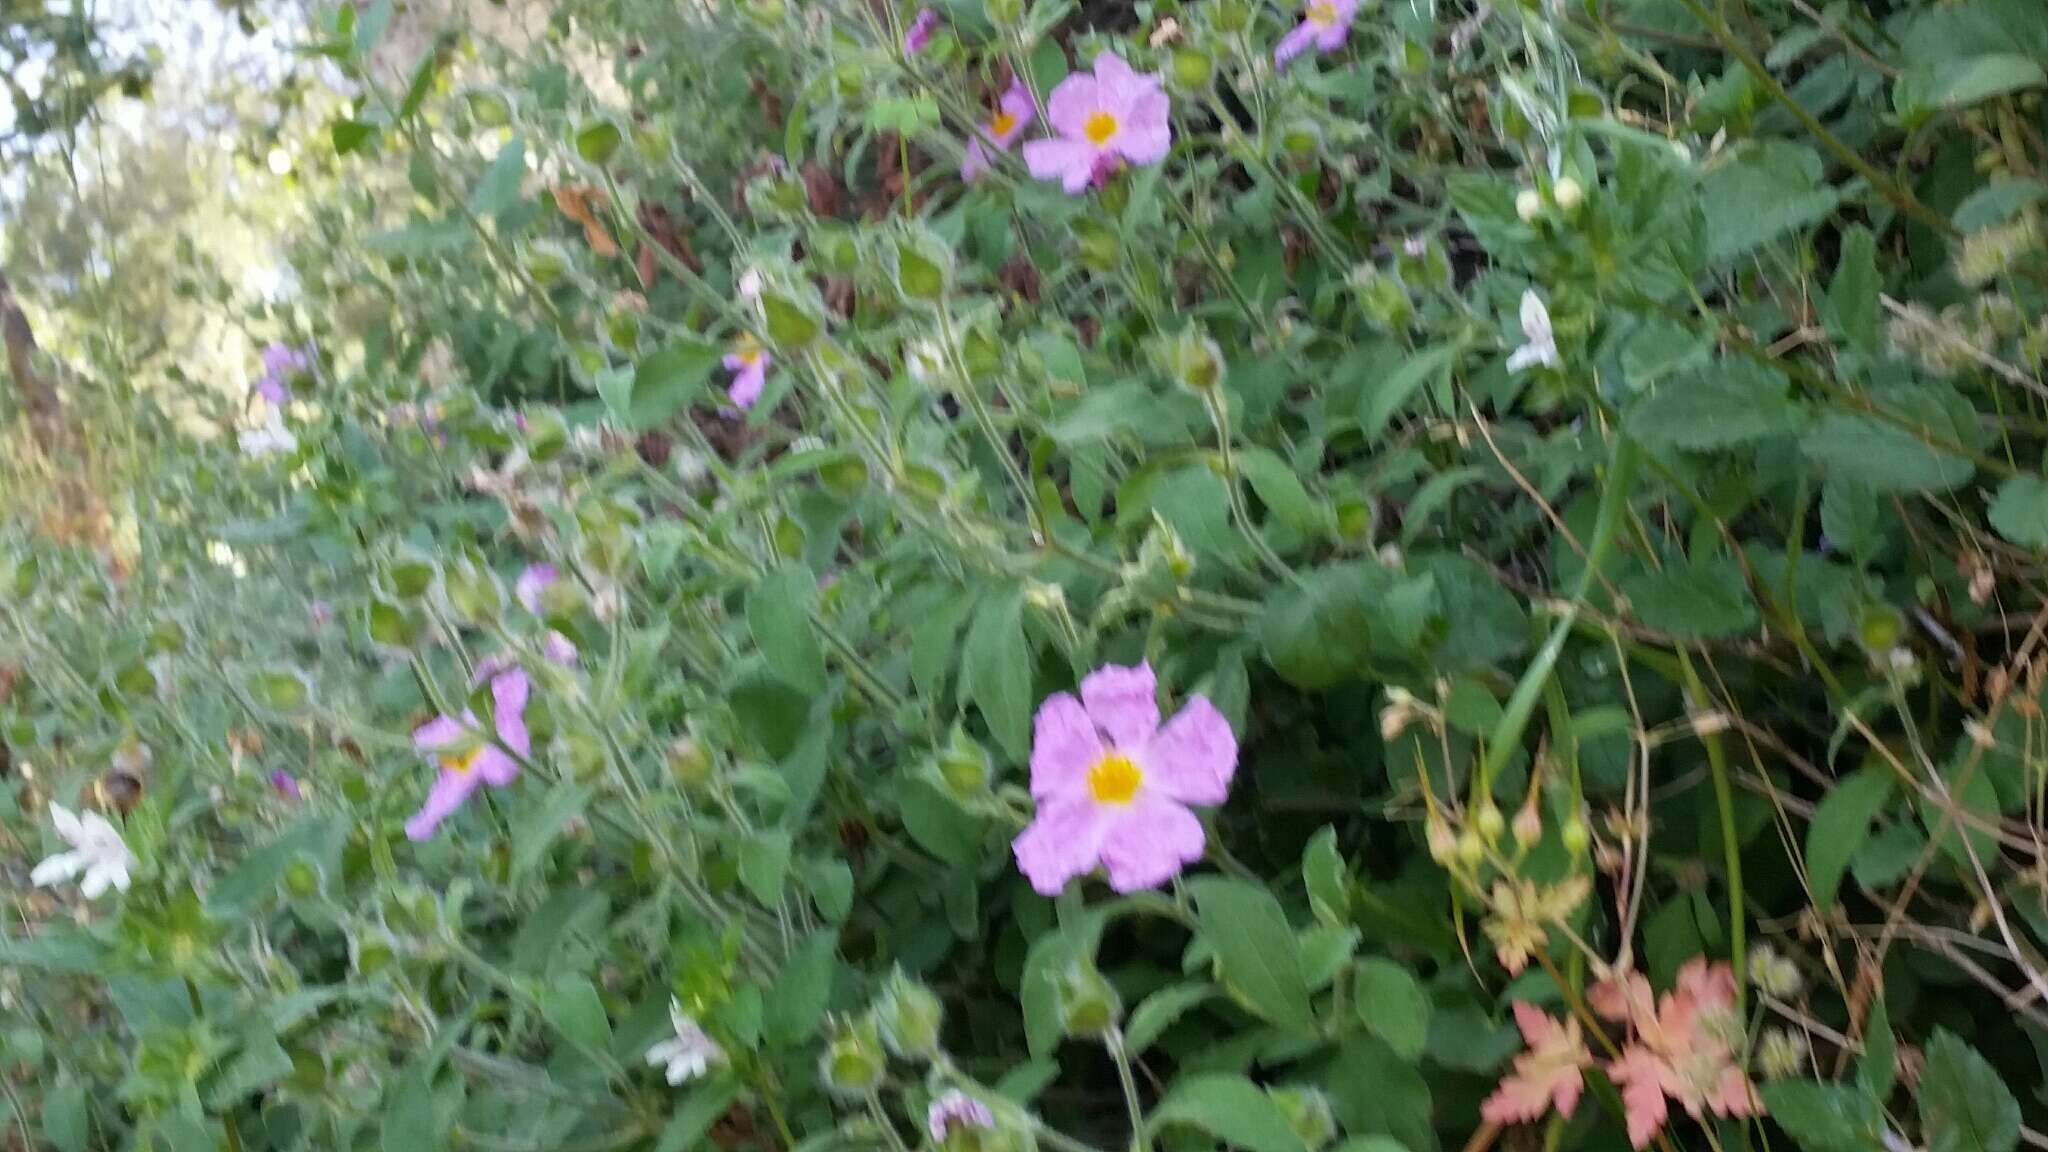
(38, 395)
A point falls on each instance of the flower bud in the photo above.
(1308, 1113)
(1568, 193)
(1193, 69)
(1490, 822)
(1774, 974)
(302, 878)
(964, 767)
(1528, 205)
(1089, 1007)
(854, 1062)
(910, 1017)
(1194, 360)
(1443, 842)
(1471, 849)
(1528, 825)
(1575, 836)
(1781, 1054)
(688, 763)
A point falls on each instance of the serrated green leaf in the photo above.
(665, 382)
(996, 670)
(1854, 311)
(2020, 511)
(1825, 1117)
(1722, 405)
(1694, 601)
(1246, 929)
(1392, 392)
(1882, 456)
(1158, 1012)
(1964, 1106)
(1392, 1006)
(802, 991)
(779, 616)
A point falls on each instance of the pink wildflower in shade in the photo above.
(954, 1111)
(1113, 786)
(919, 35)
(1104, 118)
(1550, 1073)
(1325, 25)
(531, 583)
(281, 362)
(286, 785)
(749, 365)
(469, 758)
(1014, 113)
(1686, 1046)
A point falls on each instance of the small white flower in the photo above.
(750, 285)
(689, 1054)
(271, 439)
(1541, 345)
(925, 360)
(96, 850)
(1528, 204)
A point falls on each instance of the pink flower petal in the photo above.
(746, 387)
(1294, 44)
(1064, 746)
(508, 694)
(493, 767)
(976, 163)
(1193, 758)
(1147, 136)
(1073, 101)
(531, 584)
(439, 732)
(559, 649)
(450, 789)
(1640, 1076)
(1017, 103)
(1071, 162)
(1123, 702)
(1064, 841)
(1149, 841)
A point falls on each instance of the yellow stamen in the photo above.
(1099, 128)
(1114, 779)
(1322, 13)
(460, 765)
(1003, 124)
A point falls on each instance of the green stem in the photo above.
(1140, 1141)
(1731, 842)
(1507, 732)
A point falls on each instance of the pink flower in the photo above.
(1686, 1046)
(1549, 1074)
(281, 362)
(956, 1110)
(286, 785)
(1104, 119)
(749, 365)
(468, 757)
(919, 36)
(1325, 25)
(1113, 787)
(1014, 113)
(531, 583)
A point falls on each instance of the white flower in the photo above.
(689, 1054)
(750, 285)
(96, 850)
(926, 361)
(270, 439)
(956, 1110)
(1541, 346)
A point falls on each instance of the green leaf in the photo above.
(688, 1125)
(1230, 1108)
(1719, 406)
(1884, 457)
(535, 829)
(410, 1123)
(1327, 879)
(1996, 202)
(66, 1124)
(498, 190)
(1373, 1091)
(596, 142)
(1841, 823)
(1158, 1012)
(1854, 311)
(1961, 83)
(1245, 928)
(1878, 1068)
(779, 616)
(1767, 191)
(996, 671)
(350, 136)
(573, 1006)
(262, 1062)
(1692, 601)
(802, 991)
(764, 865)
(1393, 391)
(1281, 491)
(1964, 1106)
(2020, 512)
(1392, 1006)
(665, 381)
(280, 689)
(1824, 1117)
(937, 824)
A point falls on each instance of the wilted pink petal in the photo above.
(1548, 1074)
(919, 35)
(1640, 1075)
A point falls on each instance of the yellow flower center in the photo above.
(1114, 779)
(1322, 13)
(750, 356)
(1003, 124)
(1099, 128)
(460, 765)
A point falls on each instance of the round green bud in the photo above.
(1193, 69)
(910, 1017)
(1576, 838)
(1089, 1007)
(854, 1062)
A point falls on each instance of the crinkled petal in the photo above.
(1640, 1076)
(450, 789)
(1294, 44)
(1017, 102)
(1072, 102)
(1062, 842)
(494, 767)
(1148, 135)
(1535, 318)
(559, 649)
(1071, 162)
(95, 883)
(1193, 758)
(532, 582)
(1123, 702)
(1064, 746)
(976, 163)
(1149, 841)
(509, 693)
(1332, 38)
(746, 387)
(439, 732)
